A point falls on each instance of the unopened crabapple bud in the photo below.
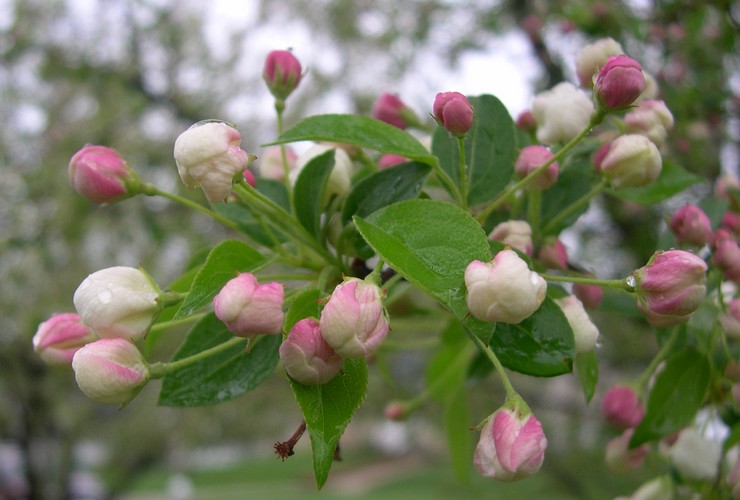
(621, 407)
(271, 163)
(726, 255)
(590, 295)
(515, 233)
(731, 222)
(511, 447)
(101, 175)
(118, 302)
(585, 332)
(306, 356)
(553, 255)
(453, 112)
(652, 119)
(695, 456)
(631, 161)
(249, 177)
(691, 225)
(619, 82)
(389, 160)
(341, 175)
(733, 480)
(561, 113)
(353, 321)
(671, 286)
(730, 320)
(594, 56)
(282, 73)
(529, 159)
(395, 410)
(110, 371)
(504, 289)
(620, 458)
(208, 155)
(526, 122)
(389, 108)
(60, 337)
(249, 308)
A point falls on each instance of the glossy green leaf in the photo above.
(223, 263)
(675, 398)
(401, 182)
(304, 304)
(223, 376)
(328, 409)
(249, 224)
(573, 183)
(359, 131)
(275, 190)
(587, 369)
(309, 191)
(490, 150)
(672, 180)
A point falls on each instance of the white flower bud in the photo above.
(561, 113)
(585, 332)
(341, 174)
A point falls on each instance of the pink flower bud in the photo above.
(621, 459)
(671, 286)
(248, 308)
(651, 119)
(511, 447)
(389, 160)
(730, 320)
(389, 108)
(282, 73)
(208, 155)
(621, 407)
(553, 254)
(733, 480)
(396, 411)
(354, 322)
(594, 56)
(100, 174)
(585, 332)
(529, 159)
(632, 161)
(271, 163)
(731, 222)
(60, 337)
(453, 111)
(515, 233)
(726, 255)
(118, 302)
(526, 122)
(561, 113)
(249, 177)
(691, 225)
(110, 371)
(307, 357)
(590, 295)
(504, 289)
(619, 82)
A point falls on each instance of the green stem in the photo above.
(570, 209)
(164, 325)
(447, 181)
(289, 276)
(582, 280)
(464, 187)
(374, 277)
(151, 190)
(645, 377)
(159, 370)
(279, 108)
(170, 298)
(534, 208)
(510, 391)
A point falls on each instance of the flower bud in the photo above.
(594, 56)
(590, 295)
(389, 160)
(282, 73)
(208, 155)
(621, 459)
(515, 233)
(60, 337)
(691, 225)
(248, 308)
(621, 407)
(733, 480)
(659, 488)
(619, 82)
(118, 302)
(730, 320)
(271, 163)
(585, 332)
(651, 119)
(671, 286)
(529, 159)
(726, 255)
(731, 222)
(249, 177)
(306, 356)
(504, 289)
(695, 457)
(389, 108)
(396, 411)
(340, 178)
(453, 111)
(632, 161)
(553, 255)
(100, 174)
(526, 122)
(354, 321)
(561, 113)
(511, 447)
(110, 371)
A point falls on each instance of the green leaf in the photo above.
(587, 368)
(248, 223)
(360, 131)
(304, 304)
(402, 182)
(457, 431)
(672, 180)
(490, 150)
(328, 409)
(448, 367)
(541, 345)
(275, 190)
(223, 263)
(223, 376)
(675, 398)
(309, 191)
(574, 181)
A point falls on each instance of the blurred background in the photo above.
(133, 75)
